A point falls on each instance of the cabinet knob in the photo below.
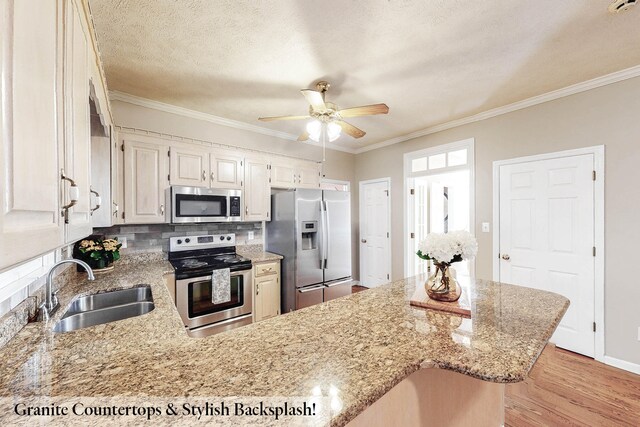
(506, 257)
(213, 176)
(257, 288)
(204, 175)
(161, 209)
(363, 240)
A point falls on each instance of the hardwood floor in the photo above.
(567, 389)
(358, 288)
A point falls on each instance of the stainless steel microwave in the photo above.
(197, 204)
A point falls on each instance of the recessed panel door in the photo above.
(374, 237)
(547, 238)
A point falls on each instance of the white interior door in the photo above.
(547, 238)
(375, 254)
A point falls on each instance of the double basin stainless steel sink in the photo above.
(106, 307)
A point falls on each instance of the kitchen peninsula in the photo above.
(361, 349)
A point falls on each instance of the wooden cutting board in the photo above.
(462, 307)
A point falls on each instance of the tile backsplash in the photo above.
(155, 237)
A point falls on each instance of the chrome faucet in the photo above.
(51, 303)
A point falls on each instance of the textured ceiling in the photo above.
(430, 61)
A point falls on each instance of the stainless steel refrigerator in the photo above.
(312, 230)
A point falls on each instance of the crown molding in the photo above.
(198, 115)
(529, 102)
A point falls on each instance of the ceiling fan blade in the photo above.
(314, 98)
(364, 110)
(351, 129)
(269, 119)
(303, 136)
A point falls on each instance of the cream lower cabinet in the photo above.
(266, 284)
(31, 144)
(257, 193)
(145, 182)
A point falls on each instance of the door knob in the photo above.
(363, 240)
(506, 257)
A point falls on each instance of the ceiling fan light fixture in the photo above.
(315, 128)
(333, 131)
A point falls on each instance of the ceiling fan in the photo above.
(329, 123)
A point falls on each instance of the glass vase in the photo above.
(442, 285)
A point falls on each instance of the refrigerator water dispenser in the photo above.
(309, 235)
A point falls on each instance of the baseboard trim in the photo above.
(622, 364)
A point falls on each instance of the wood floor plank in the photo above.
(567, 389)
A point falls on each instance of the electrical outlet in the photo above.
(123, 241)
(250, 235)
(485, 227)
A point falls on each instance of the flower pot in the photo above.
(442, 285)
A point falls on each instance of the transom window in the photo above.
(439, 161)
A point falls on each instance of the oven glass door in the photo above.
(200, 297)
(205, 206)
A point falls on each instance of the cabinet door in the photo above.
(267, 297)
(308, 175)
(257, 193)
(30, 221)
(77, 144)
(226, 170)
(189, 167)
(145, 182)
(283, 174)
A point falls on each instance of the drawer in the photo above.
(266, 268)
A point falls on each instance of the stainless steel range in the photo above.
(197, 261)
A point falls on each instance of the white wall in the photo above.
(607, 115)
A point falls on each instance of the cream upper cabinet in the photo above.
(30, 220)
(226, 169)
(289, 173)
(145, 182)
(267, 290)
(77, 145)
(189, 166)
(308, 174)
(283, 173)
(257, 193)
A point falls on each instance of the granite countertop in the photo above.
(262, 257)
(359, 346)
(256, 254)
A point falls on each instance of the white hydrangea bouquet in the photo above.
(444, 249)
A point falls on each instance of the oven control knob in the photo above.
(187, 240)
(228, 237)
(179, 241)
(221, 237)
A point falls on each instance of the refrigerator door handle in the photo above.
(325, 250)
(328, 229)
(310, 289)
(340, 282)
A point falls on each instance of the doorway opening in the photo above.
(438, 198)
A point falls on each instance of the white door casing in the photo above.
(547, 237)
(375, 232)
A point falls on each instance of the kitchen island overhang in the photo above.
(356, 348)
